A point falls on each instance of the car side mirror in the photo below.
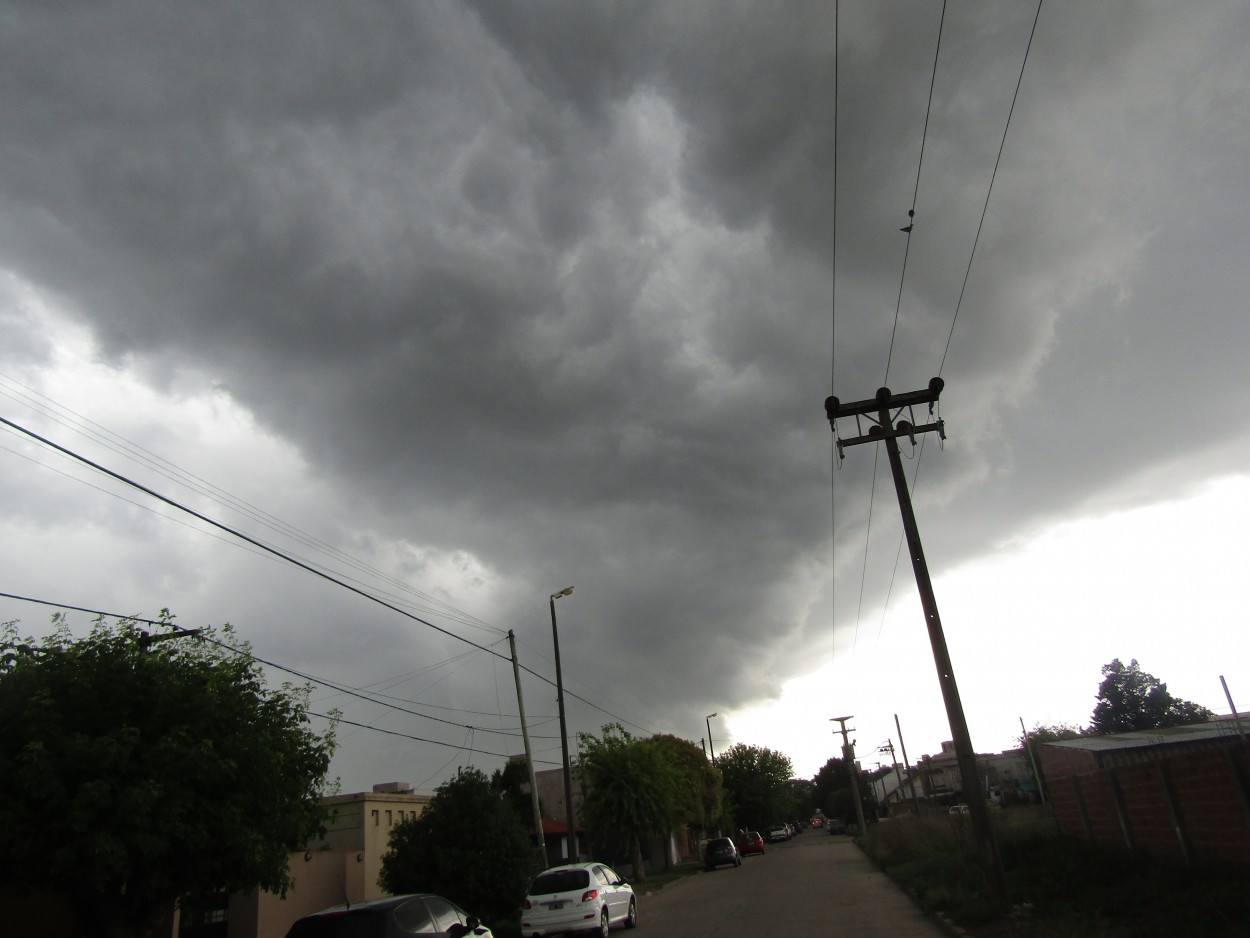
(458, 930)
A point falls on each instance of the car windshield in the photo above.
(364, 923)
(560, 881)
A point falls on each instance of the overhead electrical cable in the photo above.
(244, 537)
(990, 190)
(898, 305)
(418, 739)
(833, 353)
(968, 271)
(133, 618)
(911, 214)
(78, 423)
(337, 686)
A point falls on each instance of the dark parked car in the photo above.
(721, 851)
(750, 842)
(835, 825)
(393, 917)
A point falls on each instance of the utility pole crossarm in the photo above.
(877, 410)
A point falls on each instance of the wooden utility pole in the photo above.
(881, 412)
(529, 755)
(911, 778)
(848, 756)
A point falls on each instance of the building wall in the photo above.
(343, 866)
(1185, 804)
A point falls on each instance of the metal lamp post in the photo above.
(710, 748)
(564, 733)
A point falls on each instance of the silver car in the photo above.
(589, 897)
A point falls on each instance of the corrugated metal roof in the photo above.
(1165, 736)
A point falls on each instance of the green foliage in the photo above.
(700, 795)
(630, 787)
(466, 845)
(832, 793)
(757, 781)
(133, 772)
(1130, 699)
(512, 782)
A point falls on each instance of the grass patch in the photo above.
(1058, 886)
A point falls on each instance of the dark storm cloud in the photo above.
(550, 282)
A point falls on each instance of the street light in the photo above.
(564, 733)
(710, 749)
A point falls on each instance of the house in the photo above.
(1178, 793)
(1003, 776)
(343, 866)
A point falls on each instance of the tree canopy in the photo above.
(757, 783)
(135, 770)
(700, 796)
(467, 845)
(832, 792)
(1130, 699)
(630, 787)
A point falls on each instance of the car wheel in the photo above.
(631, 920)
(603, 923)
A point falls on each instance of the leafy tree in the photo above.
(512, 782)
(804, 792)
(757, 781)
(699, 793)
(1130, 699)
(466, 845)
(135, 771)
(630, 787)
(831, 790)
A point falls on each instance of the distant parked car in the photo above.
(422, 914)
(957, 809)
(721, 852)
(817, 822)
(578, 897)
(750, 842)
(777, 833)
(835, 825)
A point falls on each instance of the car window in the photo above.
(414, 918)
(560, 881)
(445, 914)
(612, 875)
(602, 876)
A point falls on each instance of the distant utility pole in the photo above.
(848, 756)
(881, 412)
(911, 778)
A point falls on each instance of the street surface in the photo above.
(815, 884)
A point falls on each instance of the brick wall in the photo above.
(1181, 803)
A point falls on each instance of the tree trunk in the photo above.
(640, 874)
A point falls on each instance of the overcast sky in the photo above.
(464, 303)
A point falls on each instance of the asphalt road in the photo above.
(815, 884)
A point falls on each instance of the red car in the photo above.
(750, 842)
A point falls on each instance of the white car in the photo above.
(586, 897)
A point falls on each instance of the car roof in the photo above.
(385, 902)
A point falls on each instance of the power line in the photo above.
(293, 560)
(333, 685)
(76, 422)
(418, 739)
(989, 191)
(911, 213)
(240, 535)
